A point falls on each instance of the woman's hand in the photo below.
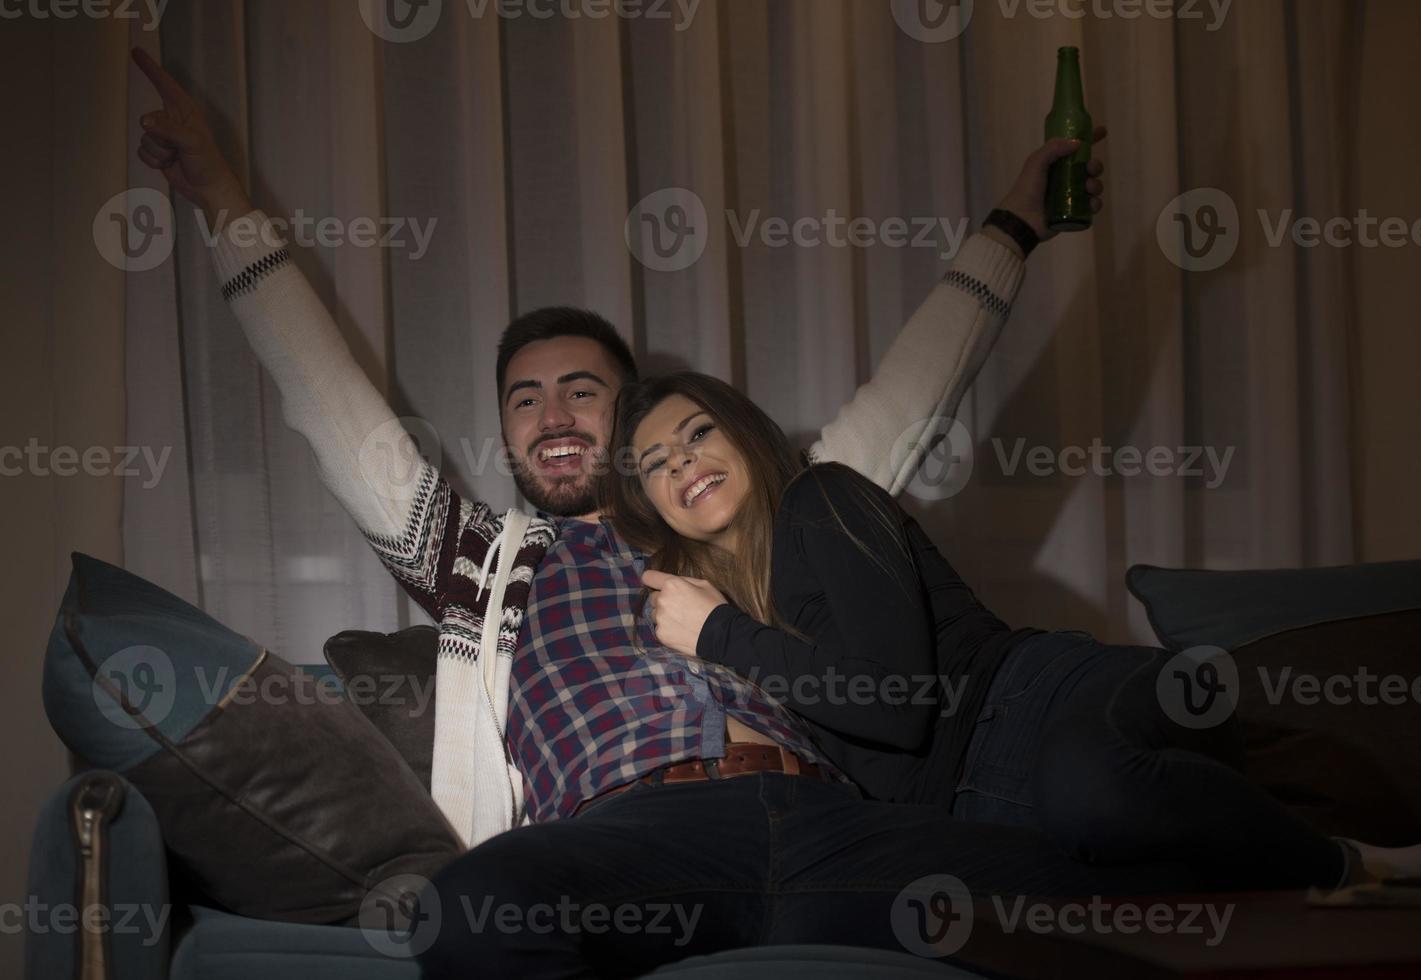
(1027, 197)
(177, 141)
(679, 608)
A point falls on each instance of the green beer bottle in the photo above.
(1067, 201)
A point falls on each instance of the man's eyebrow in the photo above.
(583, 376)
(564, 379)
(520, 385)
(656, 445)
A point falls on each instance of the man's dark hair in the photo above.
(563, 321)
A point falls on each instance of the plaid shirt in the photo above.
(587, 711)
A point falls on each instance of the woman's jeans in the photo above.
(1073, 739)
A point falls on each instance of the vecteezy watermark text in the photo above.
(37, 917)
(1103, 917)
(404, 914)
(1202, 229)
(839, 231)
(404, 21)
(304, 229)
(569, 917)
(89, 9)
(936, 21)
(836, 688)
(1200, 687)
(1205, 462)
(669, 229)
(34, 459)
(137, 686)
(934, 916)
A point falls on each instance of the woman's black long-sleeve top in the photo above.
(898, 653)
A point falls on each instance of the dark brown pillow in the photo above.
(390, 678)
(275, 800)
(1345, 765)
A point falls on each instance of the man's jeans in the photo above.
(1073, 740)
(659, 873)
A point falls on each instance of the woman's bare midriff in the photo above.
(738, 731)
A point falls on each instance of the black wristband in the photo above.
(1021, 232)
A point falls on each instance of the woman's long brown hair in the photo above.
(772, 463)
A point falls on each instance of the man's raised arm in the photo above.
(887, 429)
(363, 455)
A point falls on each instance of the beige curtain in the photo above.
(521, 143)
(527, 141)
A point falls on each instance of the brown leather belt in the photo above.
(741, 759)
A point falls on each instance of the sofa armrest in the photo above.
(98, 906)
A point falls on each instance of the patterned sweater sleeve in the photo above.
(887, 429)
(364, 456)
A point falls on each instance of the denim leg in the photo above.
(1041, 672)
(1118, 780)
(843, 865)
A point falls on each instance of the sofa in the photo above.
(101, 840)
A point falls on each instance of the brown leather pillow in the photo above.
(1345, 765)
(390, 677)
(276, 797)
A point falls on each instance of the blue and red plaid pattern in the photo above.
(587, 711)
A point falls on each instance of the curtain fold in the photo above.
(521, 146)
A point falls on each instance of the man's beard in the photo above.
(563, 496)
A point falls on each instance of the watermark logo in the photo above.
(668, 230)
(133, 230)
(400, 916)
(932, 916)
(681, 12)
(1206, 463)
(401, 21)
(947, 461)
(1199, 231)
(839, 231)
(36, 917)
(140, 677)
(1362, 230)
(36, 459)
(327, 231)
(89, 9)
(1199, 687)
(1121, 10)
(1102, 917)
(1361, 686)
(933, 21)
(834, 687)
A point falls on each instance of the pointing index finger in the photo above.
(168, 88)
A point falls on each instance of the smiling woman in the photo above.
(811, 582)
(709, 471)
(692, 473)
